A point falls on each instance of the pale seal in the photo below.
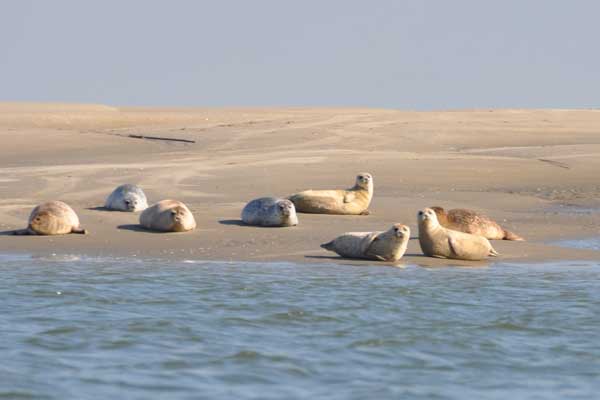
(270, 211)
(52, 218)
(469, 221)
(389, 245)
(353, 201)
(437, 241)
(127, 197)
(168, 216)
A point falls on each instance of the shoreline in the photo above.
(533, 171)
(418, 261)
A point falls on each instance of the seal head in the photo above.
(127, 197)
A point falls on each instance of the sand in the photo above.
(534, 171)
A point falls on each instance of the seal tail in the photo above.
(494, 253)
(508, 235)
(328, 246)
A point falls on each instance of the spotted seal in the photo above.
(469, 221)
(270, 211)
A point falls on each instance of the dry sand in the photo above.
(534, 171)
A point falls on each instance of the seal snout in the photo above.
(286, 207)
(426, 214)
(130, 204)
(401, 230)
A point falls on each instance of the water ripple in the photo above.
(77, 327)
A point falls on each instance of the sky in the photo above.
(414, 55)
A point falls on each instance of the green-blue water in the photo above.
(122, 329)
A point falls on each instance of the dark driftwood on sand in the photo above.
(160, 138)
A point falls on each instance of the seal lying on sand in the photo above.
(168, 216)
(469, 221)
(437, 241)
(52, 218)
(270, 211)
(127, 197)
(382, 246)
(353, 201)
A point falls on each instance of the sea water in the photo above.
(90, 328)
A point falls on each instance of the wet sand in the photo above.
(534, 171)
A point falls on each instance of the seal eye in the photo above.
(420, 212)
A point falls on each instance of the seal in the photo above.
(353, 201)
(270, 211)
(168, 216)
(437, 241)
(469, 221)
(389, 245)
(52, 218)
(127, 197)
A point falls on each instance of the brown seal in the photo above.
(168, 216)
(469, 221)
(353, 201)
(52, 218)
(437, 241)
(382, 246)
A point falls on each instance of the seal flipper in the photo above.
(79, 230)
(371, 239)
(328, 246)
(349, 197)
(508, 235)
(456, 251)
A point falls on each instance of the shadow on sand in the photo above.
(135, 228)
(236, 222)
(239, 222)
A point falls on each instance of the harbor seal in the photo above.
(389, 245)
(437, 241)
(127, 197)
(353, 201)
(469, 221)
(270, 211)
(52, 218)
(168, 216)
